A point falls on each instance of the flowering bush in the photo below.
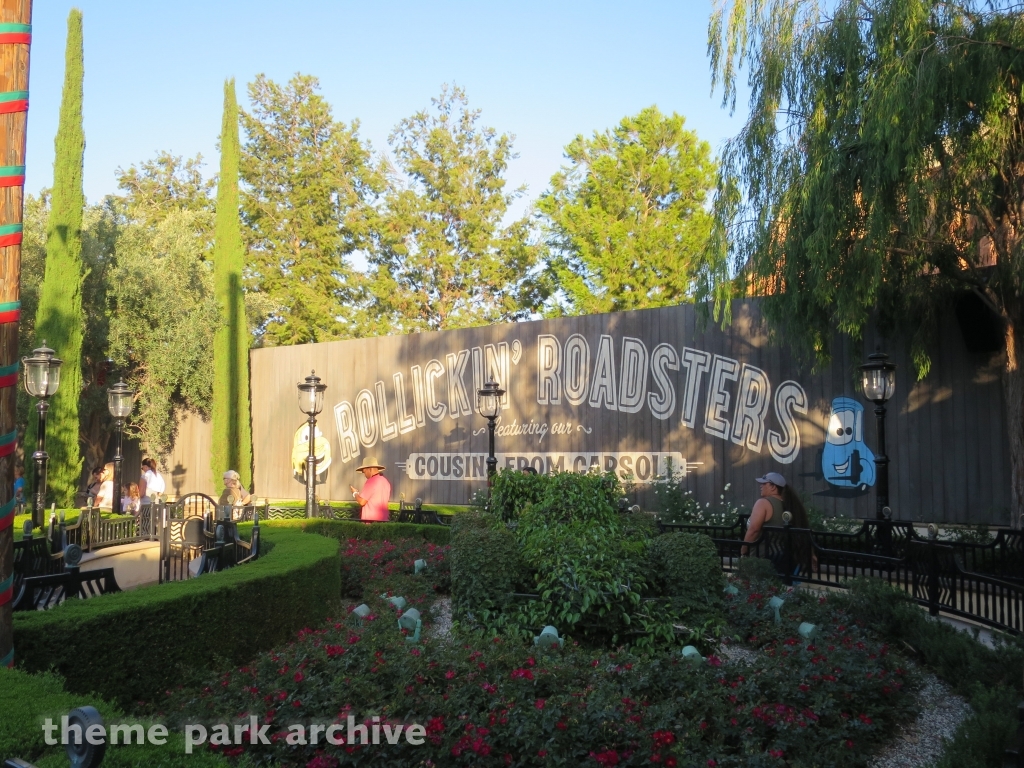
(371, 567)
(677, 504)
(491, 701)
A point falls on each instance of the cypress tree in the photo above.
(232, 434)
(59, 319)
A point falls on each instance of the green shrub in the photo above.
(689, 570)
(512, 491)
(474, 520)
(132, 646)
(756, 569)
(486, 567)
(27, 700)
(571, 496)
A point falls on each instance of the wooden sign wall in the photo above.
(635, 393)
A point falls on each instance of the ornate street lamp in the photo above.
(311, 402)
(42, 377)
(120, 400)
(490, 403)
(878, 379)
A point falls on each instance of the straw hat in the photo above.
(370, 462)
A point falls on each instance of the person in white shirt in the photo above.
(152, 485)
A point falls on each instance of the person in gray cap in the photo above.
(776, 497)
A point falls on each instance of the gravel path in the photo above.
(921, 743)
(441, 613)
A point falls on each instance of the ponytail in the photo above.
(792, 504)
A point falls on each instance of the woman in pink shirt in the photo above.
(376, 491)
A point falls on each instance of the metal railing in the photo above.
(980, 582)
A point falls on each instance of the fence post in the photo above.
(165, 546)
(787, 551)
(933, 571)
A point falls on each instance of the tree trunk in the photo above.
(1013, 395)
(14, 57)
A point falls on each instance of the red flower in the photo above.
(542, 753)
(670, 762)
(449, 674)
(539, 703)
(299, 677)
(664, 738)
(606, 758)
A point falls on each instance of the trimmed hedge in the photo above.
(351, 529)
(133, 646)
(27, 700)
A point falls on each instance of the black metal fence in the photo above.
(980, 582)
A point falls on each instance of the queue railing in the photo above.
(936, 574)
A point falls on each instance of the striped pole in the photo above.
(15, 40)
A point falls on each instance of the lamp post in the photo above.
(42, 377)
(490, 402)
(878, 378)
(120, 400)
(311, 402)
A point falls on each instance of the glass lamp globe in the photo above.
(878, 378)
(311, 394)
(42, 372)
(120, 400)
(490, 399)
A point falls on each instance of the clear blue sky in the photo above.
(545, 71)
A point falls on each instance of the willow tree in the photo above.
(880, 172)
(59, 319)
(232, 431)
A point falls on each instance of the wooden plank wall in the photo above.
(946, 434)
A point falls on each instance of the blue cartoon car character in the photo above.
(846, 461)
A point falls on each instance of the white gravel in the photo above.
(922, 742)
(441, 613)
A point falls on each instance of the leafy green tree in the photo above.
(59, 320)
(309, 181)
(162, 314)
(159, 293)
(232, 429)
(626, 218)
(442, 257)
(881, 170)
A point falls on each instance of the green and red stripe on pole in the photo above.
(13, 101)
(10, 234)
(9, 375)
(12, 175)
(7, 589)
(7, 515)
(16, 33)
(10, 311)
